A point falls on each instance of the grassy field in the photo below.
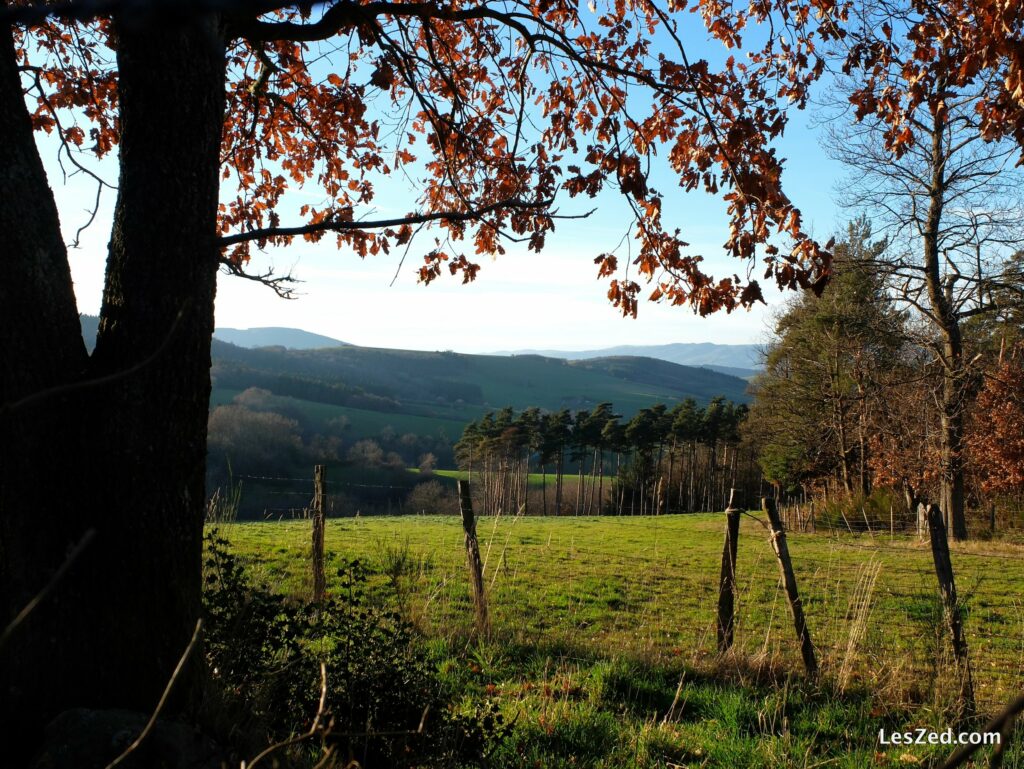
(602, 645)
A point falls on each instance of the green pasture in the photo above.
(602, 647)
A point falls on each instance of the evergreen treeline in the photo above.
(592, 462)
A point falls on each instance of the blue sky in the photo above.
(521, 300)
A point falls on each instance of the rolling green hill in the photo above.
(419, 391)
(453, 385)
(742, 360)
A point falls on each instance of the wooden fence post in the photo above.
(476, 577)
(781, 549)
(319, 578)
(951, 609)
(727, 580)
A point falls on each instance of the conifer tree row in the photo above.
(594, 462)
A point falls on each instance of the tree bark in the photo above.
(43, 351)
(131, 453)
(951, 492)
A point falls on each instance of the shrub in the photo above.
(433, 498)
(265, 653)
(859, 511)
(254, 441)
(366, 453)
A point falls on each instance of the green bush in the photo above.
(265, 652)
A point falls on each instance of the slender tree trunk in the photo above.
(618, 478)
(951, 490)
(544, 487)
(839, 418)
(579, 480)
(951, 423)
(632, 490)
(526, 484)
(130, 457)
(671, 467)
(558, 480)
(593, 484)
(862, 447)
(727, 463)
(712, 472)
(693, 477)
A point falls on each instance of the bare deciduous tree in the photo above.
(946, 198)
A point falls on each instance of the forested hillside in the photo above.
(374, 412)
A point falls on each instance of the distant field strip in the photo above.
(646, 587)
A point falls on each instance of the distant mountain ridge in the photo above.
(276, 336)
(249, 338)
(742, 360)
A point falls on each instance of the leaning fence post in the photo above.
(727, 580)
(951, 609)
(476, 576)
(781, 549)
(319, 578)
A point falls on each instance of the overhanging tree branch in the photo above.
(346, 225)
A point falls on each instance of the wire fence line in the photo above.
(904, 626)
(649, 587)
(329, 483)
(263, 492)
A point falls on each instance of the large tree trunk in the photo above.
(42, 351)
(129, 460)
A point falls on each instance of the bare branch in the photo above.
(163, 698)
(313, 729)
(279, 284)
